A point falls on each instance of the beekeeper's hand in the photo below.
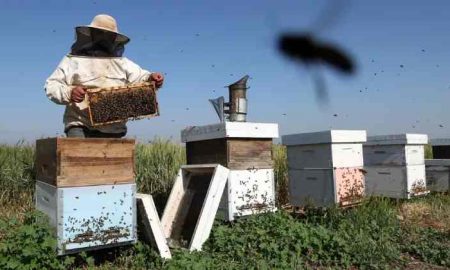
(158, 78)
(77, 94)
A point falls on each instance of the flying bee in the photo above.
(308, 50)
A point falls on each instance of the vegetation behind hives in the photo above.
(377, 234)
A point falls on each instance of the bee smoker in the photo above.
(235, 110)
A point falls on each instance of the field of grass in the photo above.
(379, 234)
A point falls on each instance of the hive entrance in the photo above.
(111, 105)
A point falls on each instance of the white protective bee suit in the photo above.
(95, 61)
(90, 72)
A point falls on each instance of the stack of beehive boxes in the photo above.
(87, 189)
(438, 168)
(395, 165)
(326, 168)
(246, 150)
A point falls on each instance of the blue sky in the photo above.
(205, 45)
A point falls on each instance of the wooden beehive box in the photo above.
(118, 104)
(71, 162)
(235, 145)
(326, 168)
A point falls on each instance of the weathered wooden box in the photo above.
(192, 205)
(438, 174)
(235, 145)
(244, 148)
(72, 162)
(325, 168)
(395, 165)
(90, 217)
(441, 148)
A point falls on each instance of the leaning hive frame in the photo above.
(149, 85)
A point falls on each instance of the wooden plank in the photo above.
(46, 160)
(249, 153)
(151, 226)
(173, 203)
(70, 162)
(209, 209)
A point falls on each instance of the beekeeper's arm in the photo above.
(56, 86)
(135, 74)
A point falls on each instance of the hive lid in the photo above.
(230, 130)
(437, 162)
(329, 136)
(397, 139)
(440, 141)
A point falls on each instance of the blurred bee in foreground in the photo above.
(308, 50)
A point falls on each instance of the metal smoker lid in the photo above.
(240, 84)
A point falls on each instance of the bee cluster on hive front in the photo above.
(111, 105)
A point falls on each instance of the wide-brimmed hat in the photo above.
(106, 23)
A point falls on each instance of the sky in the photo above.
(204, 46)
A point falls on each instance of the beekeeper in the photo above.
(95, 61)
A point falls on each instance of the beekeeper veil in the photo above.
(101, 38)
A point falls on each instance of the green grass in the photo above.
(379, 234)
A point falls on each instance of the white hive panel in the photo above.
(89, 217)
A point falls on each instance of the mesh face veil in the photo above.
(97, 42)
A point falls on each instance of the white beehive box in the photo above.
(326, 187)
(396, 150)
(438, 174)
(246, 150)
(402, 182)
(325, 168)
(248, 192)
(90, 217)
(395, 165)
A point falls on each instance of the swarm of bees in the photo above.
(113, 105)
